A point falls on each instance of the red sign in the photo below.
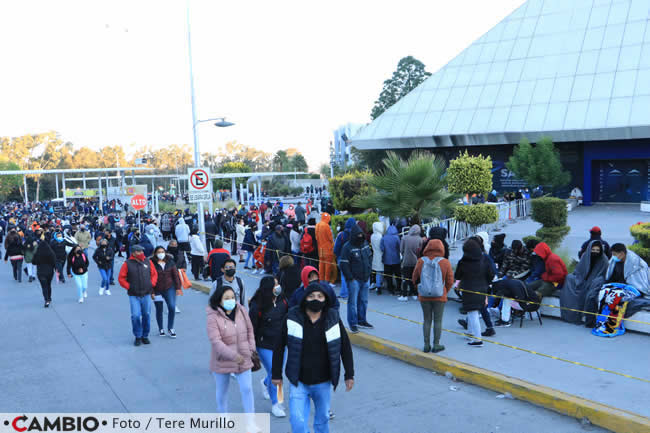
(138, 202)
(199, 179)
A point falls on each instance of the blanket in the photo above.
(612, 303)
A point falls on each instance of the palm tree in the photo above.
(413, 188)
(280, 160)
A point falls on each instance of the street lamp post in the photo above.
(222, 123)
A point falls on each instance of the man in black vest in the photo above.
(316, 342)
(138, 276)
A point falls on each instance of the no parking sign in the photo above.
(199, 182)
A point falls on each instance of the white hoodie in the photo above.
(182, 231)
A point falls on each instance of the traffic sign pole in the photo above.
(199, 183)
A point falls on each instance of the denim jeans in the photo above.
(357, 302)
(82, 283)
(245, 381)
(59, 271)
(344, 285)
(249, 256)
(110, 271)
(105, 278)
(299, 406)
(169, 296)
(140, 309)
(266, 357)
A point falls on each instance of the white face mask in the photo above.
(161, 256)
(277, 290)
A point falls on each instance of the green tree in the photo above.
(410, 188)
(298, 163)
(9, 184)
(345, 189)
(470, 174)
(230, 167)
(409, 74)
(280, 161)
(539, 164)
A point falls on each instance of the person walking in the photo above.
(167, 287)
(232, 341)
(268, 308)
(77, 269)
(45, 262)
(14, 252)
(83, 238)
(138, 277)
(29, 249)
(325, 241)
(182, 233)
(59, 245)
(475, 274)
(433, 276)
(356, 262)
(317, 343)
(409, 248)
(198, 254)
(103, 256)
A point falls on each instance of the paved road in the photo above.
(80, 358)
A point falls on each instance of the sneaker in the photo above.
(85, 294)
(172, 333)
(81, 300)
(331, 414)
(366, 325)
(161, 332)
(463, 323)
(501, 324)
(178, 310)
(354, 330)
(137, 342)
(108, 292)
(415, 298)
(47, 305)
(488, 332)
(265, 391)
(145, 340)
(402, 299)
(101, 291)
(475, 344)
(277, 411)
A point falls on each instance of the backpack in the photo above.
(431, 284)
(306, 243)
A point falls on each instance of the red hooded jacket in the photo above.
(555, 268)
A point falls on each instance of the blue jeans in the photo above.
(245, 381)
(357, 302)
(266, 356)
(169, 296)
(249, 256)
(344, 284)
(110, 271)
(82, 283)
(140, 309)
(105, 278)
(299, 406)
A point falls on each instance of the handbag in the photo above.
(255, 357)
(185, 282)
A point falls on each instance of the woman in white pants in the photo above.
(78, 270)
(475, 274)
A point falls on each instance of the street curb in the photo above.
(608, 417)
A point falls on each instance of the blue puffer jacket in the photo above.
(343, 237)
(390, 247)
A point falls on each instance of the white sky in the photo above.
(287, 72)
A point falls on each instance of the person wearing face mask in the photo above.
(232, 340)
(229, 269)
(588, 275)
(78, 270)
(197, 253)
(138, 277)
(104, 256)
(45, 262)
(167, 287)
(83, 238)
(317, 343)
(268, 307)
(59, 245)
(356, 263)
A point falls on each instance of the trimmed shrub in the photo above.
(345, 190)
(553, 235)
(477, 215)
(549, 211)
(470, 174)
(369, 219)
(641, 232)
(525, 239)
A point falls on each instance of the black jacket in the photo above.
(267, 325)
(14, 248)
(75, 263)
(44, 259)
(289, 279)
(475, 273)
(103, 257)
(356, 257)
(59, 250)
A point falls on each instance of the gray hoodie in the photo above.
(410, 247)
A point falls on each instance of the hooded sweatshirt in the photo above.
(475, 274)
(434, 249)
(344, 236)
(375, 241)
(297, 296)
(556, 270)
(390, 246)
(324, 237)
(410, 247)
(356, 257)
(437, 233)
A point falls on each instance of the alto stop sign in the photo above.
(138, 202)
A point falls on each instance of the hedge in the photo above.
(345, 189)
(641, 232)
(477, 215)
(369, 218)
(549, 211)
(553, 235)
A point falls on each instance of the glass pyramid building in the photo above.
(574, 70)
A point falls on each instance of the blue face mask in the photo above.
(616, 259)
(59, 239)
(229, 304)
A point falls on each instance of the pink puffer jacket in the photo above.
(229, 339)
